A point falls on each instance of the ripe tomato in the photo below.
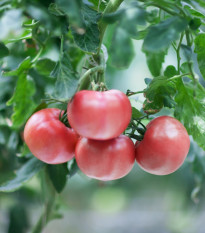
(99, 115)
(164, 147)
(48, 138)
(105, 160)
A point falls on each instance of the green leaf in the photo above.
(200, 51)
(45, 66)
(25, 173)
(96, 5)
(160, 36)
(190, 110)
(170, 71)
(66, 78)
(121, 50)
(4, 51)
(88, 39)
(136, 114)
(187, 51)
(155, 61)
(160, 93)
(73, 10)
(22, 98)
(58, 175)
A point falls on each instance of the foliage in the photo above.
(64, 46)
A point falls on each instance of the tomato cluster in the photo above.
(97, 121)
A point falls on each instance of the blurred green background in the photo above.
(139, 202)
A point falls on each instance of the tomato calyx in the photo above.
(140, 130)
(63, 118)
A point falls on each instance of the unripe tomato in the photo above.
(164, 147)
(48, 138)
(105, 160)
(99, 115)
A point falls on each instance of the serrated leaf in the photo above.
(160, 36)
(121, 50)
(190, 110)
(45, 66)
(66, 78)
(200, 51)
(58, 175)
(155, 61)
(25, 173)
(4, 51)
(22, 98)
(88, 39)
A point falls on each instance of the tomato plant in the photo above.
(48, 138)
(164, 147)
(99, 115)
(105, 160)
(71, 57)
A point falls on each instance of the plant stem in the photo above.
(111, 7)
(49, 196)
(163, 8)
(178, 52)
(85, 79)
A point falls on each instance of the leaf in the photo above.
(25, 173)
(73, 10)
(45, 66)
(121, 50)
(22, 98)
(103, 4)
(58, 175)
(66, 78)
(136, 114)
(170, 71)
(4, 51)
(155, 61)
(160, 93)
(190, 110)
(200, 51)
(88, 39)
(187, 51)
(160, 36)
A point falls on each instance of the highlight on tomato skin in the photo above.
(164, 147)
(99, 115)
(48, 138)
(105, 160)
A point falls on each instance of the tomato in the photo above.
(164, 147)
(99, 115)
(48, 138)
(105, 160)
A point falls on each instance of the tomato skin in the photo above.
(99, 115)
(48, 138)
(164, 147)
(105, 160)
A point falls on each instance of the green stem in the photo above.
(38, 55)
(85, 79)
(178, 53)
(130, 93)
(112, 6)
(49, 195)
